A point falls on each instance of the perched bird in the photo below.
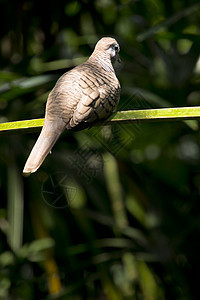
(81, 97)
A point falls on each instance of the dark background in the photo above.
(114, 212)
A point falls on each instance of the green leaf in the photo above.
(129, 116)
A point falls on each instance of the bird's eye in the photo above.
(115, 47)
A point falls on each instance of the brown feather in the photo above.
(81, 97)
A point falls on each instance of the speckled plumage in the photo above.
(81, 97)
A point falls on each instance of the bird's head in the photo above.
(110, 47)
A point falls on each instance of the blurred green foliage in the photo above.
(113, 213)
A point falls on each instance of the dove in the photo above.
(86, 94)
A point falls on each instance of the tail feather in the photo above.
(47, 138)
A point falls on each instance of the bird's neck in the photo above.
(101, 59)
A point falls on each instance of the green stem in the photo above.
(129, 116)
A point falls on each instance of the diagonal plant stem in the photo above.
(129, 116)
(168, 22)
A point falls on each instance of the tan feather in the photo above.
(81, 97)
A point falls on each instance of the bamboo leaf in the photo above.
(15, 208)
(129, 116)
(21, 126)
(115, 191)
(176, 113)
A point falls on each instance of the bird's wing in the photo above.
(98, 100)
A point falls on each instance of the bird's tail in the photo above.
(47, 138)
